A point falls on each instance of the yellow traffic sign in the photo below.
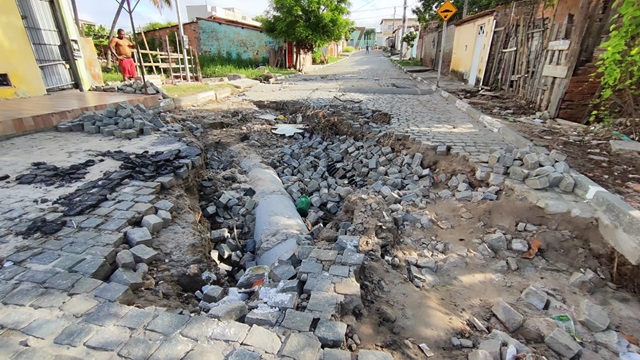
(447, 10)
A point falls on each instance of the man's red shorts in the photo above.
(127, 67)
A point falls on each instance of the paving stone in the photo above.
(165, 205)
(323, 302)
(97, 268)
(50, 299)
(296, 320)
(331, 333)
(21, 256)
(106, 252)
(234, 310)
(123, 205)
(593, 316)
(324, 255)
(480, 355)
(138, 236)
(79, 305)
(213, 294)
(124, 259)
(165, 216)
(536, 329)
(336, 354)
(301, 346)
(139, 348)
(115, 292)
(135, 318)
(74, 335)
(145, 254)
(263, 339)
(496, 242)
(293, 285)
(173, 348)
(339, 270)
(282, 271)
(113, 240)
(229, 331)
(562, 343)
(31, 353)
(538, 182)
(114, 225)
(62, 281)
(167, 323)
(348, 287)
(6, 288)
(263, 316)
(11, 272)
(205, 352)
(352, 258)
(511, 319)
(243, 354)
(23, 295)
(143, 208)
(35, 276)
(535, 297)
(310, 266)
(68, 261)
(153, 223)
(107, 339)
(44, 258)
(106, 314)
(167, 182)
(492, 347)
(91, 222)
(319, 283)
(128, 278)
(85, 285)
(16, 318)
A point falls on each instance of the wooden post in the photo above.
(582, 19)
(178, 51)
(146, 45)
(197, 65)
(160, 64)
(169, 59)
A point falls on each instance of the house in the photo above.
(358, 38)
(397, 38)
(219, 36)
(42, 50)
(206, 11)
(471, 43)
(389, 26)
(430, 44)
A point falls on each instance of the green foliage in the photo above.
(100, 36)
(410, 38)
(348, 49)
(307, 23)
(318, 57)
(157, 25)
(222, 64)
(619, 66)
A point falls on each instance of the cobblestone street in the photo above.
(394, 226)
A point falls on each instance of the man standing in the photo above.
(121, 48)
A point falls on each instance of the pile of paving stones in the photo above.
(131, 87)
(50, 175)
(537, 170)
(303, 291)
(142, 167)
(127, 122)
(531, 318)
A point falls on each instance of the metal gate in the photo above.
(49, 49)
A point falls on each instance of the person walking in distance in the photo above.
(121, 47)
(367, 49)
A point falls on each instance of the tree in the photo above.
(426, 9)
(307, 23)
(100, 36)
(157, 25)
(369, 34)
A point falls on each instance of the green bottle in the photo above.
(302, 205)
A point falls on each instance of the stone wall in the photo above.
(234, 40)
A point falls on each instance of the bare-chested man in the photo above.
(121, 48)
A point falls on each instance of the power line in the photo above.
(382, 8)
(364, 5)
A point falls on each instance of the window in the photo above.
(389, 27)
(4, 80)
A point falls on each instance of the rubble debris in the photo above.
(52, 175)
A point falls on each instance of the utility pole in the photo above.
(183, 40)
(464, 9)
(404, 28)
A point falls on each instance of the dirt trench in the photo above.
(398, 314)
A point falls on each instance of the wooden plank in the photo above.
(559, 45)
(557, 71)
(146, 45)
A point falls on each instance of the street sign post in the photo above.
(446, 11)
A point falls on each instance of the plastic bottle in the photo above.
(302, 205)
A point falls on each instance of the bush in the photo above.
(317, 57)
(219, 65)
(348, 49)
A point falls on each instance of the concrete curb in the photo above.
(324, 66)
(619, 222)
(202, 97)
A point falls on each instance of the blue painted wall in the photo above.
(235, 41)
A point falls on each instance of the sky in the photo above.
(364, 12)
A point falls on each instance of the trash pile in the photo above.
(131, 87)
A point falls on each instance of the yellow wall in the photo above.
(464, 43)
(17, 57)
(66, 13)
